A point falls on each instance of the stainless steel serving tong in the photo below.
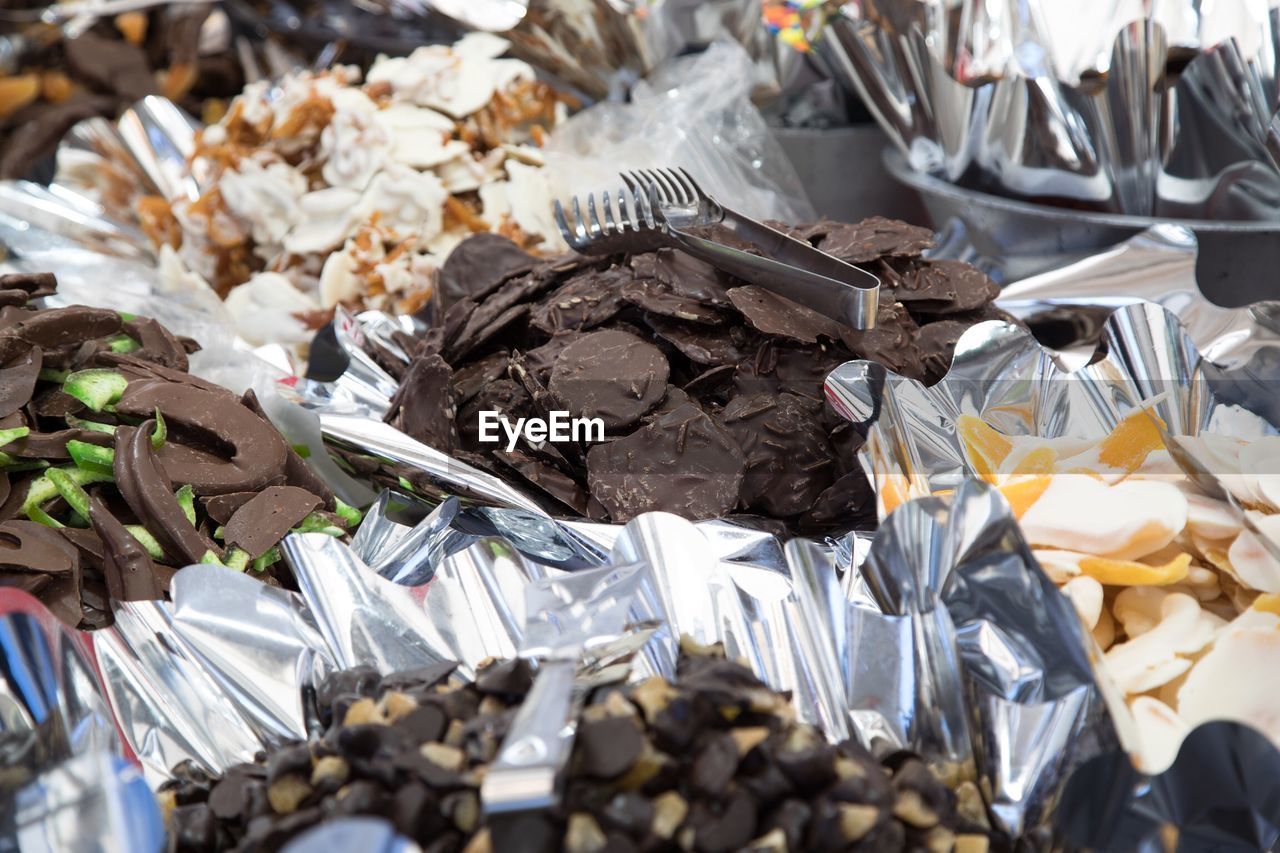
(666, 203)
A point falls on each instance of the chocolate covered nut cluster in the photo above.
(118, 467)
(708, 390)
(57, 81)
(337, 188)
(712, 762)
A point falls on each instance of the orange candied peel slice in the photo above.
(1023, 493)
(1132, 441)
(1039, 461)
(1268, 602)
(984, 445)
(1128, 573)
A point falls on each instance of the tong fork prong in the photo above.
(683, 195)
(695, 191)
(593, 225)
(640, 196)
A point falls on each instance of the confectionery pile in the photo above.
(709, 388)
(713, 761)
(1178, 594)
(370, 481)
(341, 188)
(51, 79)
(120, 467)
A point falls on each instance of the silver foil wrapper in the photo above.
(1068, 307)
(1094, 109)
(1220, 793)
(54, 705)
(69, 781)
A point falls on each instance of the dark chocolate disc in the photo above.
(789, 461)
(683, 463)
(610, 375)
(774, 315)
(659, 298)
(945, 287)
(583, 302)
(873, 238)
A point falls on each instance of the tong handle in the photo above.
(524, 776)
(792, 269)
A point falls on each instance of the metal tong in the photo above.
(666, 203)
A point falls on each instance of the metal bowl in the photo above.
(1237, 265)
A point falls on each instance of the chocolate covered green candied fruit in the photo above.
(118, 467)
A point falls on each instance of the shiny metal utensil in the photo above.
(666, 202)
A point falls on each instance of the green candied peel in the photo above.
(89, 426)
(160, 433)
(8, 435)
(13, 464)
(91, 457)
(268, 559)
(146, 540)
(96, 387)
(44, 489)
(48, 374)
(186, 497)
(236, 559)
(71, 491)
(347, 513)
(123, 344)
(317, 523)
(303, 450)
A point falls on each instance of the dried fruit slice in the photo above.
(1133, 439)
(985, 447)
(1022, 494)
(1128, 573)
(1042, 460)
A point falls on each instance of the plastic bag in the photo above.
(694, 112)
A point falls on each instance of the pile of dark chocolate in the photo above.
(59, 81)
(714, 762)
(710, 390)
(118, 467)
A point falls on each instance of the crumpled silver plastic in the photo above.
(51, 696)
(68, 780)
(1220, 793)
(1157, 266)
(1089, 107)
(93, 801)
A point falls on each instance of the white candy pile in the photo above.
(323, 190)
(1182, 598)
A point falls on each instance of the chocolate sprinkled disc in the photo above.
(684, 462)
(877, 237)
(610, 375)
(789, 461)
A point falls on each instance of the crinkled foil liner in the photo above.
(994, 114)
(69, 781)
(1002, 374)
(1068, 307)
